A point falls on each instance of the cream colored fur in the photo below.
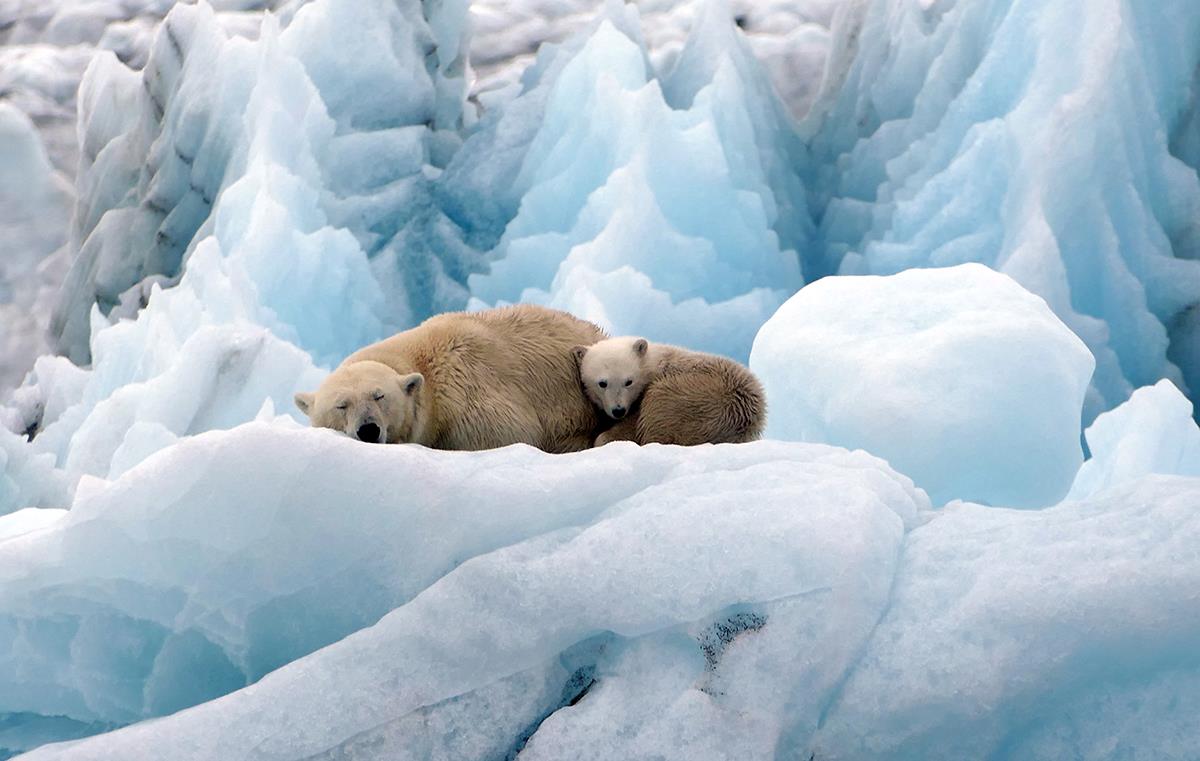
(665, 394)
(466, 381)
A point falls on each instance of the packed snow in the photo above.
(1007, 630)
(957, 240)
(467, 556)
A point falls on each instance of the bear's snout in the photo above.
(370, 433)
(618, 412)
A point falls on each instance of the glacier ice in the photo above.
(28, 479)
(161, 148)
(316, 179)
(1152, 433)
(790, 37)
(242, 144)
(1023, 635)
(35, 207)
(1051, 141)
(957, 376)
(236, 552)
(646, 218)
(640, 600)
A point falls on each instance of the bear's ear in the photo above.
(411, 383)
(640, 346)
(577, 352)
(305, 402)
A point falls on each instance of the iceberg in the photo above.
(958, 377)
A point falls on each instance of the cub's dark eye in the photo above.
(379, 397)
(603, 384)
(343, 406)
(629, 382)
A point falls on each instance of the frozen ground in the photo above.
(204, 210)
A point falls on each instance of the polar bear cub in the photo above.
(665, 394)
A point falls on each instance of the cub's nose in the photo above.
(618, 412)
(369, 432)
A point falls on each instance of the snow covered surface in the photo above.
(255, 197)
(211, 569)
(1022, 635)
(662, 585)
(958, 377)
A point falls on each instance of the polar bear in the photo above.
(665, 394)
(465, 381)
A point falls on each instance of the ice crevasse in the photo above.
(270, 591)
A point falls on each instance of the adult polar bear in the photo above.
(466, 380)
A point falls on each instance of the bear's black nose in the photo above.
(369, 432)
(618, 412)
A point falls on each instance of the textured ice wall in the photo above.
(667, 209)
(35, 209)
(790, 37)
(257, 160)
(45, 48)
(208, 352)
(160, 147)
(1037, 138)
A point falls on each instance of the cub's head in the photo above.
(614, 373)
(368, 401)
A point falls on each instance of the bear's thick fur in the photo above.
(665, 394)
(466, 381)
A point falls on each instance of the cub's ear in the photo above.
(305, 402)
(640, 346)
(412, 383)
(577, 352)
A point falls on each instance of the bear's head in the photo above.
(368, 401)
(614, 373)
